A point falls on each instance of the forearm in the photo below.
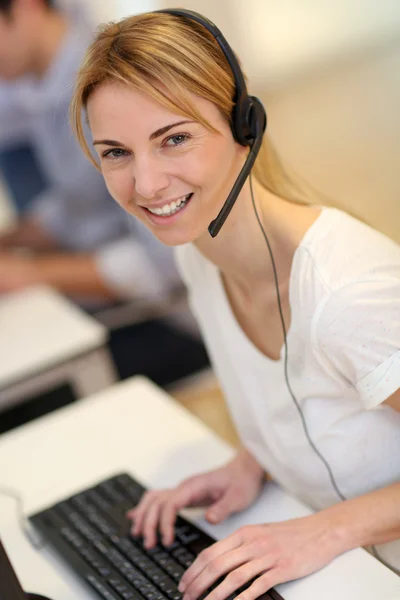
(75, 275)
(373, 518)
(28, 234)
(251, 463)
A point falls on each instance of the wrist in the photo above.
(250, 464)
(344, 529)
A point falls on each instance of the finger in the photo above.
(262, 584)
(217, 568)
(181, 497)
(139, 506)
(167, 521)
(150, 523)
(141, 511)
(209, 554)
(238, 578)
(221, 509)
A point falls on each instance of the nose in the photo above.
(150, 176)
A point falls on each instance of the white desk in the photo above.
(46, 340)
(134, 426)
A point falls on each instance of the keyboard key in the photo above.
(184, 557)
(119, 585)
(111, 492)
(99, 586)
(175, 570)
(93, 496)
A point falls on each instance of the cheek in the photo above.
(120, 185)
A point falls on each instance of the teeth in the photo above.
(170, 209)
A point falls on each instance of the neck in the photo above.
(51, 29)
(240, 250)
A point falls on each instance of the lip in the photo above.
(159, 220)
(164, 202)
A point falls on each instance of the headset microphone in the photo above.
(216, 225)
(248, 119)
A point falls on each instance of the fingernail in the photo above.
(181, 586)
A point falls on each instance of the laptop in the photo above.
(10, 588)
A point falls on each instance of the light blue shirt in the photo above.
(77, 208)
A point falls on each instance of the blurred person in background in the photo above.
(78, 239)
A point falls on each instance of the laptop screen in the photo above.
(10, 588)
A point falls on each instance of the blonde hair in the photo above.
(166, 57)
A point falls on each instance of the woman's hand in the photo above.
(269, 554)
(225, 490)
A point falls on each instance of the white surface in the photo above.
(281, 39)
(40, 329)
(86, 374)
(117, 9)
(135, 427)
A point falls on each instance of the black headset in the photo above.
(248, 119)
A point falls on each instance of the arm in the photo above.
(29, 234)
(367, 520)
(72, 274)
(372, 518)
(278, 552)
(125, 269)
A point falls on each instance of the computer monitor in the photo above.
(10, 587)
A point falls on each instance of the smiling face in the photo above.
(172, 173)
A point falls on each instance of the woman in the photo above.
(158, 94)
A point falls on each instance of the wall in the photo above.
(280, 39)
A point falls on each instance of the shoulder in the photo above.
(341, 250)
(338, 256)
(346, 264)
(356, 321)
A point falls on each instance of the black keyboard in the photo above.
(91, 532)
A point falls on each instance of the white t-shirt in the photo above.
(343, 362)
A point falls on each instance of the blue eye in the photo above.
(177, 140)
(114, 153)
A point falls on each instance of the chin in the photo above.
(174, 238)
(178, 236)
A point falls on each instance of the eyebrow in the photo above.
(153, 136)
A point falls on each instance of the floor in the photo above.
(203, 397)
